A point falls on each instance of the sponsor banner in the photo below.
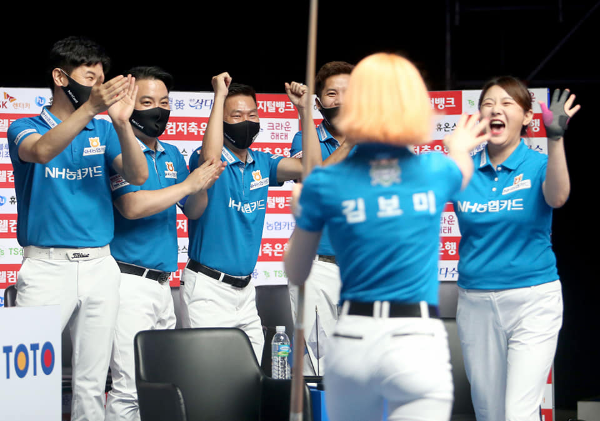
(272, 249)
(11, 253)
(23, 100)
(8, 226)
(278, 225)
(182, 252)
(447, 269)
(275, 106)
(269, 273)
(30, 367)
(449, 248)
(446, 102)
(279, 201)
(449, 225)
(185, 128)
(9, 273)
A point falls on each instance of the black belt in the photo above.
(215, 274)
(356, 308)
(155, 275)
(328, 259)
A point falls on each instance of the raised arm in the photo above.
(469, 133)
(41, 149)
(557, 186)
(131, 163)
(293, 168)
(212, 143)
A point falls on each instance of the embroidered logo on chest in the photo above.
(258, 180)
(95, 147)
(518, 184)
(170, 171)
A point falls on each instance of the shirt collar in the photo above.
(512, 162)
(232, 159)
(324, 134)
(159, 147)
(52, 121)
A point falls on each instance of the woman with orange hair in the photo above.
(383, 206)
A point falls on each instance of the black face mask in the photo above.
(329, 114)
(151, 122)
(241, 134)
(76, 92)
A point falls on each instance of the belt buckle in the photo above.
(327, 259)
(78, 255)
(163, 277)
(238, 282)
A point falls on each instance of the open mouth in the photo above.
(497, 127)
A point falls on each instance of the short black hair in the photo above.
(241, 89)
(74, 51)
(152, 73)
(333, 68)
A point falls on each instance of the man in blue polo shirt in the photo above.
(61, 162)
(145, 243)
(322, 289)
(224, 242)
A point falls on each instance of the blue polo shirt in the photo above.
(328, 145)
(66, 202)
(505, 224)
(383, 206)
(227, 237)
(150, 242)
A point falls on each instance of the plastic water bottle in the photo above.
(280, 351)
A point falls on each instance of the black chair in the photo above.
(207, 374)
(274, 309)
(10, 296)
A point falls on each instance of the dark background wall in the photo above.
(457, 45)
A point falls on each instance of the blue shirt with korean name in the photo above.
(66, 202)
(383, 206)
(328, 145)
(227, 237)
(505, 224)
(150, 242)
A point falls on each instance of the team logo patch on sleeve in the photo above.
(258, 180)
(95, 147)
(117, 181)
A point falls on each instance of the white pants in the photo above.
(321, 291)
(405, 361)
(508, 340)
(88, 294)
(207, 302)
(144, 305)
